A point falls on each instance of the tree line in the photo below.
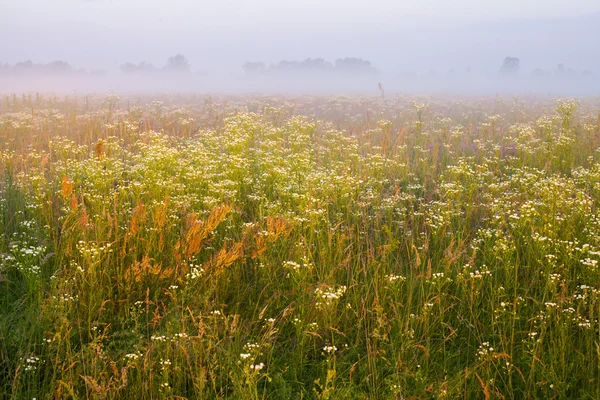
(178, 63)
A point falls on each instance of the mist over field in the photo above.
(308, 199)
(429, 48)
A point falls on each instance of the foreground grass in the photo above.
(278, 248)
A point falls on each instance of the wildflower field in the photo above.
(264, 247)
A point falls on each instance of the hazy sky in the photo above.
(218, 33)
(129, 14)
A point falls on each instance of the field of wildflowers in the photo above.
(254, 247)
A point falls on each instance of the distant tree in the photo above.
(563, 72)
(177, 63)
(58, 67)
(23, 65)
(254, 67)
(354, 64)
(27, 67)
(510, 67)
(287, 65)
(130, 68)
(312, 65)
(315, 64)
(145, 67)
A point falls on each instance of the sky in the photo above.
(220, 35)
(132, 14)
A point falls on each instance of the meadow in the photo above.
(279, 247)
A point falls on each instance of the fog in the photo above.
(431, 46)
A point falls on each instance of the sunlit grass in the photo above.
(272, 247)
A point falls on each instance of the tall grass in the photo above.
(272, 247)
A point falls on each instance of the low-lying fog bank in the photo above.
(480, 84)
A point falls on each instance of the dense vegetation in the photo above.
(271, 247)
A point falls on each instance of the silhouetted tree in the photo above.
(23, 65)
(177, 63)
(27, 67)
(311, 65)
(130, 68)
(510, 67)
(287, 65)
(315, 64)
(562, 72)
(59, 67)
(353, 64)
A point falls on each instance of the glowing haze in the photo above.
(429, 36)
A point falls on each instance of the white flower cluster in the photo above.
(196, 271)
(329, 349)
(329, 295)
(133, 356)
(65, 297)
(294, 266)
(484, 350)
(291, 265)
(393, 278)
(251, 352)
(590, 262)
(257, 367)
(93, 250)
(439, 277)
(163, 338)
(30, 363)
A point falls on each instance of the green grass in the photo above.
(309, 247)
